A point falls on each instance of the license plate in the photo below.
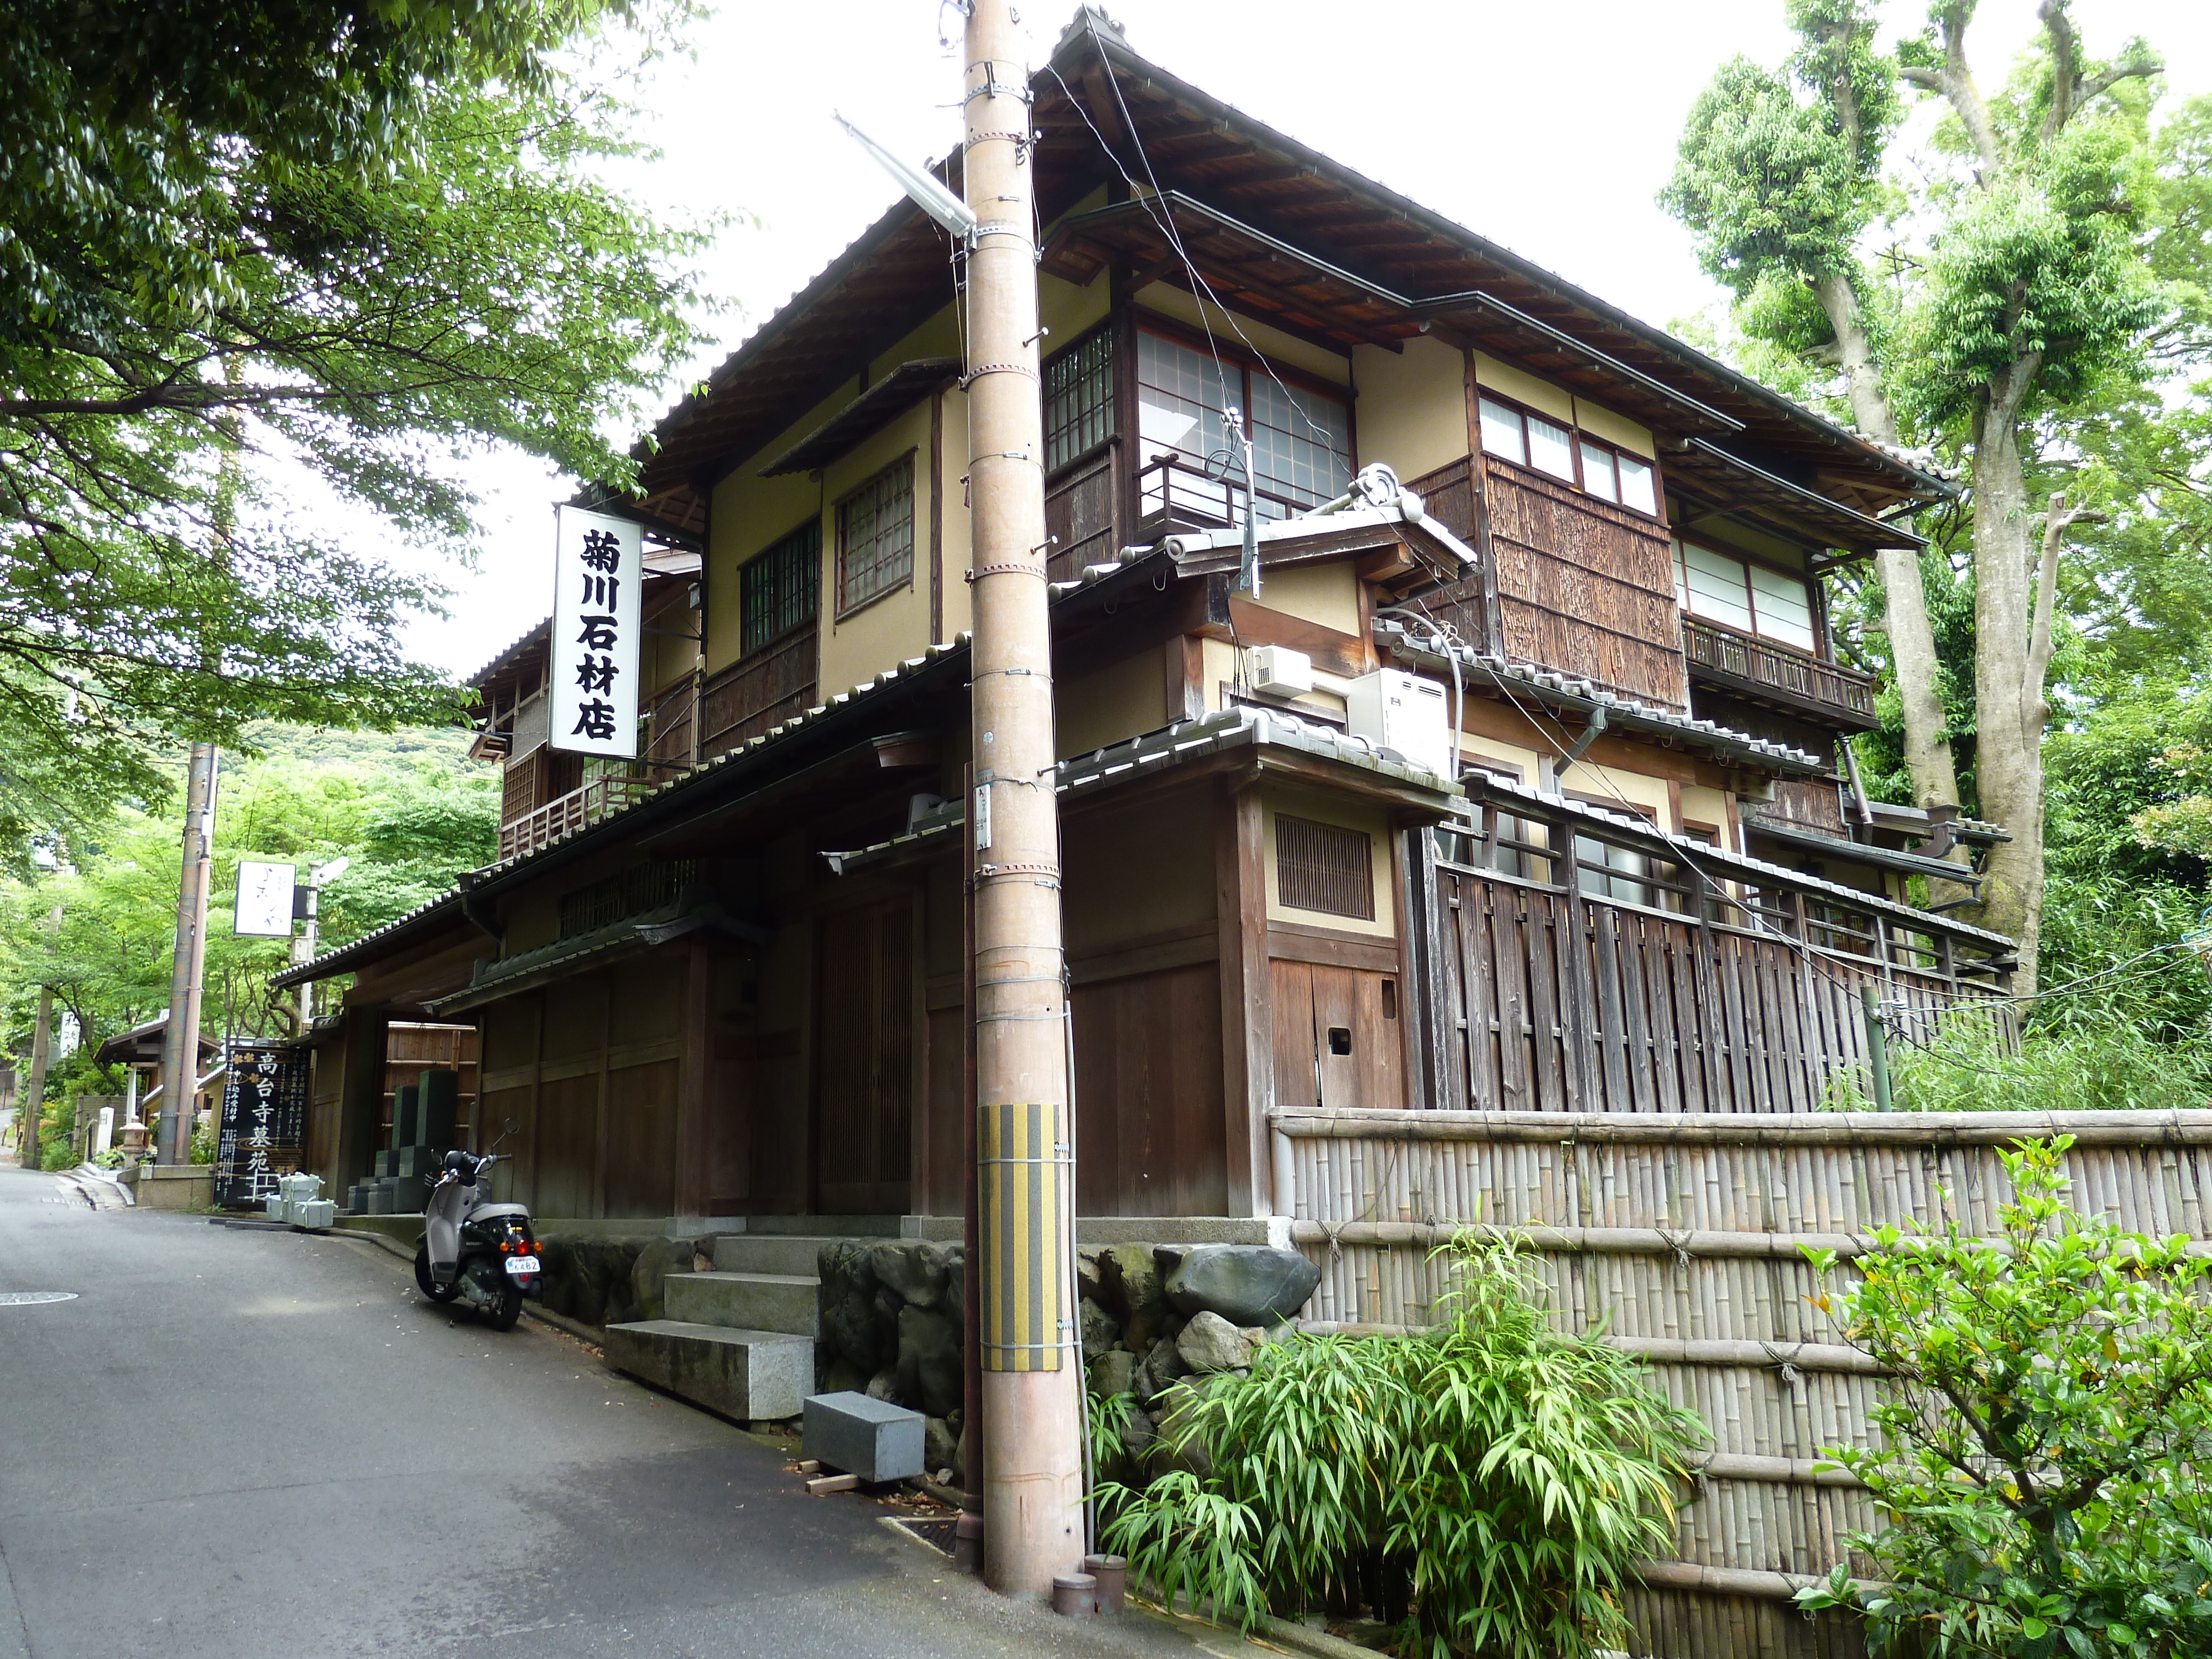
(520, 1265)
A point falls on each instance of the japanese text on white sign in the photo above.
(597, 572)
(265, 899)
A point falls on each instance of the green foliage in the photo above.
(2042, 1454)
(410, 811)
(260, 258)
(2103, 1067)
(1500, 1476)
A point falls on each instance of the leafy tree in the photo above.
(259, 258)
(2029, 294)
(2044, 1451)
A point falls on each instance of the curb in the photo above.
(1304, 1638)
(576, 1328)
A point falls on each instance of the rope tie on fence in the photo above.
(1677, 1243)
(1335, 1232)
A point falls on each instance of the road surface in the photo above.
(265, 1445)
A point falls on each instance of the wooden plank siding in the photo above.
(1584, 586)
(1082, 504)
(758, 691)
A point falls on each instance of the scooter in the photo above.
(475, 1251)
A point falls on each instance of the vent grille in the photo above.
(1319, 866)
(643, 887)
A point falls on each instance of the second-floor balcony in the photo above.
(601, 798)
(1779, 675)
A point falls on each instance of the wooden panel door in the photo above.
(863, 1089)
(1337, 1042)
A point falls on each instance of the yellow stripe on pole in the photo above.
(1024, 1155)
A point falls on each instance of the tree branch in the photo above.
(2057, 520)
(1955, 80)
(2136, 68)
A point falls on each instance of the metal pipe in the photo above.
(1877, 1029)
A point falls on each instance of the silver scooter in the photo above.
(473, 1250)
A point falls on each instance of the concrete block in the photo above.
(868, 1438)
(406, 1115)
(756, 1302)
(438, 1109)
(376, 1198)
(750, 1375)
(314, 1212)
(414, 1160)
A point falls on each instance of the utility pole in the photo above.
(181, 1046)
(35, 1091)
(303, 943)
(1032, 1461)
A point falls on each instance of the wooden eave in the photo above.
(866, 416)
(1731, 485)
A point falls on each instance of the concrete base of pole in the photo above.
(1033, 1522)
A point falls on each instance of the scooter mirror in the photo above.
(513, 1126)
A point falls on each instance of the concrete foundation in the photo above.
(176, 1187)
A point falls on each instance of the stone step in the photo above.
(747, 1375)
(790, 1303)
(829, 1226)
(794, 1253)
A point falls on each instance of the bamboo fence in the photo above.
(1682, 1235)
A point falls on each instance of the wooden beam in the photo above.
(1247, 1017)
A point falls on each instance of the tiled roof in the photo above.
(1549, 685)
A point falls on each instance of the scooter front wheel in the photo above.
(424, 1283)
(502, 1317)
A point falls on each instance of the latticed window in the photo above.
(1078, 398)
(875, 536)
(1324, 867)
(782, 589)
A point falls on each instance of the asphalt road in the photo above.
(263, 1444)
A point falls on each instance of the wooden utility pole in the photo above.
(1032, 1391)
(180, 1045)
(35, 1091)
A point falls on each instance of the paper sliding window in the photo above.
(1753, 598)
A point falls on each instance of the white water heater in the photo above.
(1394, 709)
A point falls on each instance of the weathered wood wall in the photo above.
(1680, 1235)
(759, 691)
(1584, 587)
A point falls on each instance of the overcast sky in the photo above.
(1548, 127)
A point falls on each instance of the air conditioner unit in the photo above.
(1395, 710)
(1276, 670)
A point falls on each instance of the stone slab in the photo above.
(796, 1254)
(745, 1374)
(869, 1437)
(788, 1302)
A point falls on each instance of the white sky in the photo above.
(1548, 127)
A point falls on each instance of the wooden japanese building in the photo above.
(1618, 864)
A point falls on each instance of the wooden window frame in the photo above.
(1816, 600)
(814, 612)
(1106, 334)
(1577, 435)
(1248, 362)
(838, 512)
(1327, 830)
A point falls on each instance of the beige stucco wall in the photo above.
(1350, 815)
(1704, 804)
(895, 625)
(1413, 405)
(1602, 422)
(952, 504)
(1069, 312)
(1524, 388)
(1120, 701)
(1327, 594)
(1185, 308)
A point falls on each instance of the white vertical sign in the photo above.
(264, 899)
(597, 572)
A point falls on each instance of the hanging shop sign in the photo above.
(264, 899)
(264, 1121)
(598, 572)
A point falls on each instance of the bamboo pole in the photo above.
(1934, 1130)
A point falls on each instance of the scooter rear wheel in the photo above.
(502, 1317)
(424, 1283)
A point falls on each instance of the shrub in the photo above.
(1485, 1486)
(2043, 1453)
(2108, 1066)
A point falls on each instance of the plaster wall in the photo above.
(1324, 808)
(1413, 405)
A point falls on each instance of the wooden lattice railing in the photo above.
(1778, 671)
(599, 798)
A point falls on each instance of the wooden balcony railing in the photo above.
(600, 798)
(1766, 672)
(758, 691)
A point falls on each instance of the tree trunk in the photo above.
(1912, 636)
(2009, 709)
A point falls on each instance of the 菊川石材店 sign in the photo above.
(597, 572)
(264, 1121)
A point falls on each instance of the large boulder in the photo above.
(1160, 1370)
(1098, 1329)
(648, 1273)
(1211, 1343)
(1090, 1276)
(940, 1447)
(852, 1329)
(1246, 1284)
(955, 1282)
(1131, 1280)
(914, 1269)
(929, 1361)
(1112, 1372)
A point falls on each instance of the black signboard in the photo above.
(264, 1119)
